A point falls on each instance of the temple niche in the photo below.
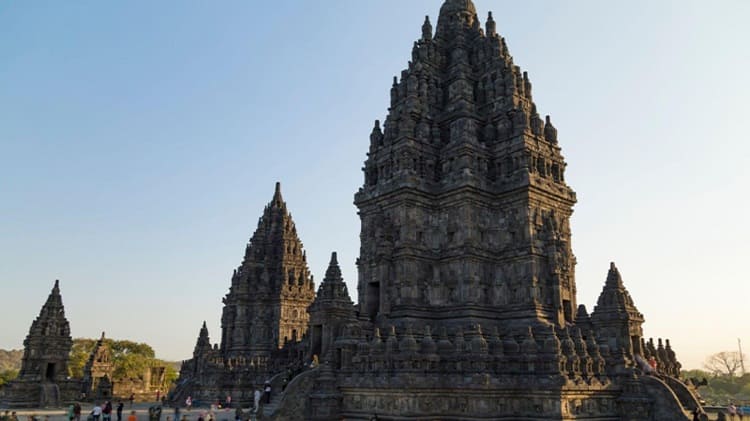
(466, 291)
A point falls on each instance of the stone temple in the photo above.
(43, 379)
(466, 300)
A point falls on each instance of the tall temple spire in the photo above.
(464, 144)
(270, 290)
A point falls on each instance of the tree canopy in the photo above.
(130, 359)
(726, 382)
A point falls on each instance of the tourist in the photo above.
(96, 412)
(131, 399)
(740, 413)
(267, 392)
(189, 403)
(13, 416)
(77, 411)
(107, 411)
(228, 402)
(5, 416)
(256, 400)
(120, 406)
(176, 412)
(732, 410)
(652, 362)
(158, 393)
(71, 413)
(132, 416)
(238, 413)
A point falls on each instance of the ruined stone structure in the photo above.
(97, 373)
(43, 379)
(467, 303)
(264, 318)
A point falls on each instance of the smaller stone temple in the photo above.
(43, 380)
(97, 374)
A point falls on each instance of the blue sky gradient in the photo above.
(139, 142)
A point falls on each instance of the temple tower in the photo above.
(48, 344)
(464, 208)
(617, 320)
(331, 311)
(43, 379)
(97, 373)
(267, 302)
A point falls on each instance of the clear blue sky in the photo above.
(140, 140)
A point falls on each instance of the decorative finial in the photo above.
(491, 26)
(550, 132)
(334, 259)
(426, 29)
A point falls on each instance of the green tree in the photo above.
(7, 375)
(79, 355)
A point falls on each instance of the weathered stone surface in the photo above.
(467, 303)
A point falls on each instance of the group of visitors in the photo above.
(735, 412)
(9, 416)
(103, 411)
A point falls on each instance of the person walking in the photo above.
(77, 411)
(256, 400)
(71, 416)
(107, 411)
(96, 412)
(732, 410)
(189, 402)
(131, 399)
(176, 412)
(132, 416)
(120, 407)
(267, 392)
